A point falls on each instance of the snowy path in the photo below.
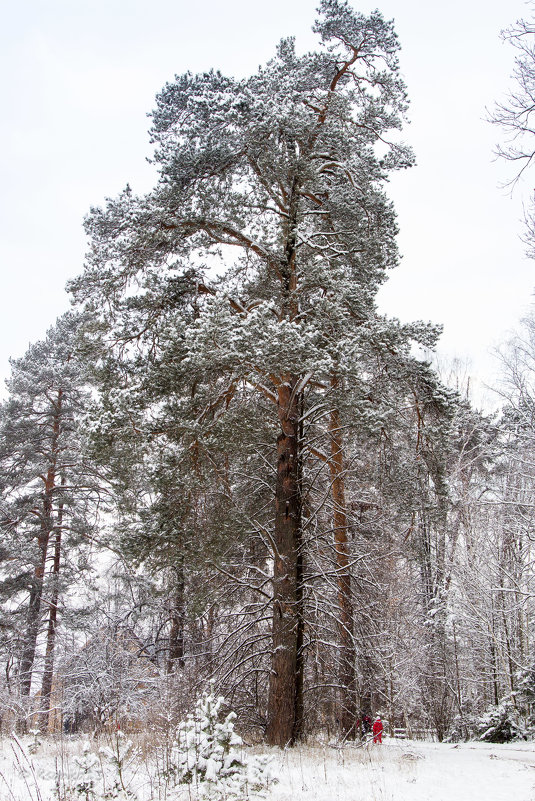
(409, 771)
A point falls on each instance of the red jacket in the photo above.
(377, 726)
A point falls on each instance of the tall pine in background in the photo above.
(49, 495)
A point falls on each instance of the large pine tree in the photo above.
(275, 183)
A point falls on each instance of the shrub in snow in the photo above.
(500, 725)
(209, 754)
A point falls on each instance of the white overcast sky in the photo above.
(77, 78)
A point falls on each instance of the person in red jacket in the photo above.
(378, 730)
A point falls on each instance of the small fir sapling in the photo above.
(210, 754)
(86, 776)
(118, 759)
(35, 744)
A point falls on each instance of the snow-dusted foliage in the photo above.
(210, 755)
(36, 741)
(299, 487)
(501, 725)
(526, 694)
(106, 680)
(85, 776)
(117, 760)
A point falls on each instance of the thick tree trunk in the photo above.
(345, 622)
(48, 671)
(282, 697)
(300, 645)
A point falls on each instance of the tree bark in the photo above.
(345, 622)
(48, 670)
(282, 696)
(33, 618)
(299, 720)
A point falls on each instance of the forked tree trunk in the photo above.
(282, 696)
(345, 622)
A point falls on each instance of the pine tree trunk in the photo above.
(345, 623)
(282, 696)
(298, 732)
(48, 670)
(33, 618)
(300, 655)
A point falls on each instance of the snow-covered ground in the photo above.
(395, 771)
(409, 771)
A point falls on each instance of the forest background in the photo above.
(326, 529)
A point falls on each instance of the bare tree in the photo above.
(516, 114)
